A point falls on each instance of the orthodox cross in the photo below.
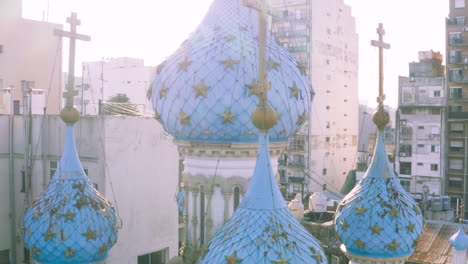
(381, 45)
(73, 36)
(261, 7)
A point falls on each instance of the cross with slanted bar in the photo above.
(73, 36)
(381, 45)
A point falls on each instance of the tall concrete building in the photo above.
(457, 103)
(420, 119)
(139, 177)
(30, 52)
(322, 36)
(109, 77)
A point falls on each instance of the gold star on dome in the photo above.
(184, 118)
(79, 186)
(69, 252)
(273, 64)
(360, 243)
(230, 37)
(232, 259)
(102, 249)
(90, 234)
(36, 251)
(229, 63)
(344, 225)
(184, 64)
(376, 229)
(200, 89)
(294, 91)
(302, 68)
(163, 91)
(302, 119)
(410, 228)
(69, 216)
(281, 260)
(227, 116)
(36, 214)
(361, 210)
(81, 202)
(49, 236)
(254, 88)
(394, 245)
(393, 212)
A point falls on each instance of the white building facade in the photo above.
(420, 119)
(322, 36)
(109, 77)
(130, 160)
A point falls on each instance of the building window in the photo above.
(454, 39)
(456, 164)
(405, 168)
(158, 257)
(52, 167)
(405, 150)
(420, 145)
(437, 93)
(23, 181)
(327, 139)
(420, 127)
(459, 3)
(27, 255)
(406, 185)
(456, 128)
(455, 92)
(460, 20)
(406, 111)
(236, 197)
(420, 164)
(435, 111)
(328, 107)
(434, 167)
(296, 189)
(456, 74)
(1, 49)
(324, 171)
(455, 56)
(455, 108)
(5, 256)
(435, 148)
(455, 182)
(16, 107)
(456, 146)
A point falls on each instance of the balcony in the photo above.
(296, 180)
(456, 21)
(458, 60)
(457, 42)
(458, 115)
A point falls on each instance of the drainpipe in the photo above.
(12, 184)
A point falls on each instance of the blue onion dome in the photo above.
(70, 222)
(459, 240)
(378, 218)
(263, 229)
(207, 89)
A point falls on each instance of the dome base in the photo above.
(356, 259)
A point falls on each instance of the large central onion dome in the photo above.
(206, 91)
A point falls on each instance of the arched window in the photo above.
(236, 197)
(202, 215)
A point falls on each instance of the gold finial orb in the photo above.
(264, 117)
(381, 118)
(70, 115)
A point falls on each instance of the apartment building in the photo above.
(420, 119)
(322, 36)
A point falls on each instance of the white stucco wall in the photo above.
(143, 169)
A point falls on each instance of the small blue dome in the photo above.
(263, 229)
(378, 218)
(71, 222)
(206, 91)
(459, 240)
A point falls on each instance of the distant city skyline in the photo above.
(153, 30)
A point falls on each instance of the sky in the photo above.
(154, 29)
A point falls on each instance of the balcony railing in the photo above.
(458, 115)
(458, 60)
(457, 42)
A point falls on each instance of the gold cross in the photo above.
(73, 36)
(381, 45)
